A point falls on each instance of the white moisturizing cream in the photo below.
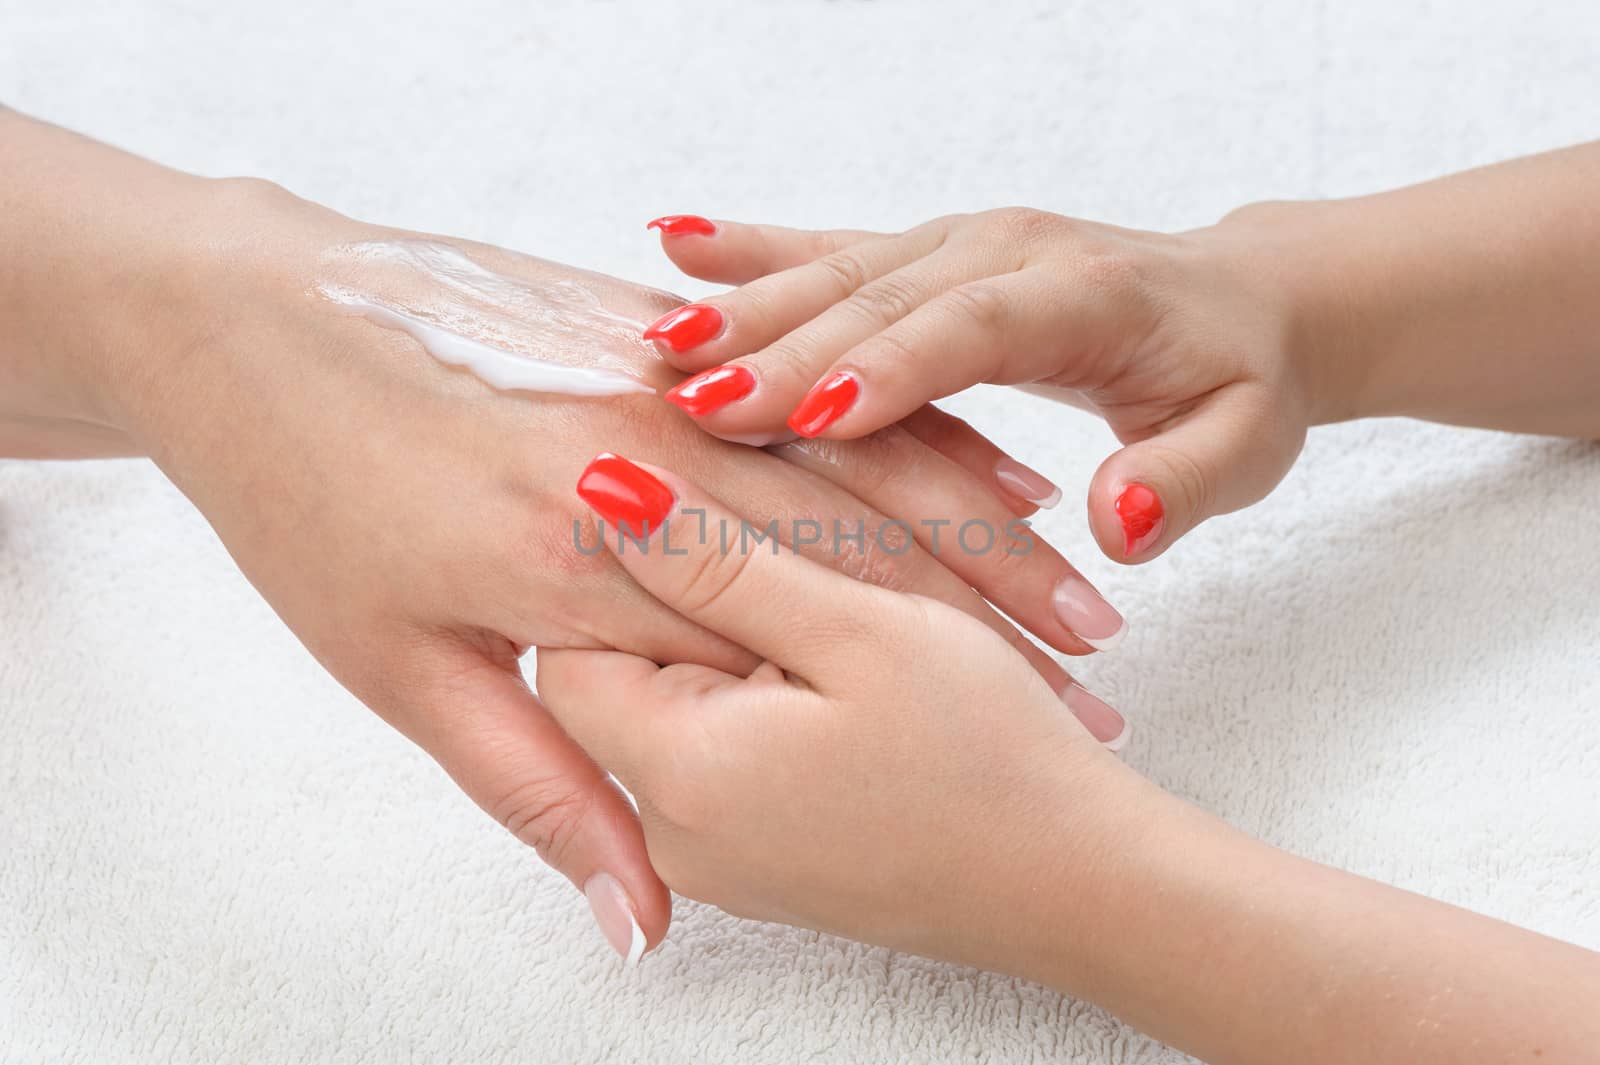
(513, 334)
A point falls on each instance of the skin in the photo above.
(950, 807)
(412, 526)
(961, 815)
(1209, 353)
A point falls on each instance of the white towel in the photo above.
(210, 853)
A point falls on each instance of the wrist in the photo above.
(115, 254)
(1297, 257)
(1092, 862)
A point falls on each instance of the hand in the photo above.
(892, 771)
(414, 527)
(1176, 340)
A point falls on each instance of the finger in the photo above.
(733, 253)
(1021, 488)
(851, 532)
(1007, 329)
(827, 516)
(792, 380)
(698, 558)
(965, 526)
(1227, 454)
(617, 614)
(625, 710)
(478, 719)
(602, 699)
(714, 330)
(810, 620)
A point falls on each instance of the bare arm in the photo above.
(1473, 299)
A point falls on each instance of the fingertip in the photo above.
(632, 911)
(1141, 517)
(1128, 514)
(829, 400)
(685, 328)
(704, 249)
(1103, 722)
(683, 225)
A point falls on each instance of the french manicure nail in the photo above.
(1103, 723)
(677, 225)
(613, 912)
(1139, 509)
(625, 495)
(687, 327)
(1083, 610)
(1027, 484)
(712, 390)
(825, 404)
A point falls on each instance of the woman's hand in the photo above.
(888, 768)
(414, 527)
(894, 773)
(1174, 340)
(1467, 300)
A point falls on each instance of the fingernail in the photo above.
(625, 495)
(825, 404)
(1140, 511)
(713, 389)
(687, 327)
(676, 225)
(613, 912)
(1103, 723)
(1082, 609)
(1027, 484)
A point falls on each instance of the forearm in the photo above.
(93, 241)
(1241, 954)
(1473, 299)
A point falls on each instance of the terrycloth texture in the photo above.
(210, 853)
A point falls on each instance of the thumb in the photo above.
(1225, 455)
(478, 719)
(733, 578)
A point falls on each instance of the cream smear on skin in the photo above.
(513, 334)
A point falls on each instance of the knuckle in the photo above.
(1194, 482)
(760, 302)
(1023, 225)
(886, 299)
(845, 269)
(545, 813)
(1111, 273)
(887, 347)
(981, 305)
(820, 242)
(712, 577)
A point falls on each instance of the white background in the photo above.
(209, 852)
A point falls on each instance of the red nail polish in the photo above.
(1140, 511)
(625, 495)
(676, 225)
(687, 327)
(825, 404)
(713, 389)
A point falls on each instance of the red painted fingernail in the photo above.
(1140, 511)
(713, 389)
(687, 327)
(625, 495)
(676, 225)
(825, 404)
